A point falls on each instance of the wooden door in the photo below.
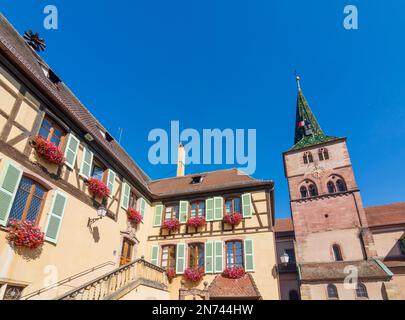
(126, 252)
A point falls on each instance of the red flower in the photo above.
(134, 215)
(25, 234)
(234, 272)
(233, 218)
(194, 274)
(171, 273)
(97, 187)
(196, 222)
(171, 224)
(47, 150)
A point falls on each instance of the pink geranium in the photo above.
(196, 222)
(171, 274)
(194, 274)
(234, 272)
(171, 224)
(47, 150)
(134, 215)
(97, 187)
(233, 218)
(25, 234)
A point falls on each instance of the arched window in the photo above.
(341, 185)
(323, 154)
(308, 158)
(312, 190)
(293, 295)
(361, 291)
(332, 292)
(304, 192)
(331, 187)
(28, 201)
(337, 253)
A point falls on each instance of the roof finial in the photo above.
(297, 78)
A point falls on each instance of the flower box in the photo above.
(134, 216)
(194, 274)
(97, 187)
(233, 218)
(171, 224)
(196, 222)
(171, 274)
(234, 272)
(25, 234)
(47, 150)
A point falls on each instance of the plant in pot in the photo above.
(134, 216)
(232, 219)
(194, 274)
(196, 222)
(25, 234)
(172, 224)
(97, 187)
(234, 272)
(171, 274)
(47, 150)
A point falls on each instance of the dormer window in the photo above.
(108, 137)
(196, 179)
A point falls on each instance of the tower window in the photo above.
(341, 185)
(308, 158)
(331, 187)
(313, 192)
(304, 192)
(361, 291)
(337, 253)
(323, 154)
(332, 292)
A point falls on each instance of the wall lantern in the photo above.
(101, 212)
(284, 258)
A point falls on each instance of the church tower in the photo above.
(329, 219)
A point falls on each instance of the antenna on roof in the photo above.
(34, 41)
(120, 130)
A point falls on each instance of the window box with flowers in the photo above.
(196, 222)
(172, 224)
(194, 274)
(234, 272)
(402, 245)
(97, 187)
(47, 150)
(232, 219)
(25, 234)
(171, 274)
(134, 216)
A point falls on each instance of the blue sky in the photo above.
(229, 64)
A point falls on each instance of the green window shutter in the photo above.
(55, 216)
(247, 205)
(248, 252)
(126, 190)
(180, 258)
(142, 206)
(218, 256)
(71, 150)
(218, 208)
(183, 211)
(209, 257)
(209, 209)
(110, 180)
(87, 161)
(157, 221)
(9, 181)
(154, 255)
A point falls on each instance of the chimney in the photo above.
(181, 161)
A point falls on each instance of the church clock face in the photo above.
(317, 171)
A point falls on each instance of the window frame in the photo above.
(199, 201)
(364, 288)
(337, 252)
(232, 198)
(308, 157)
(313, 185)
(171, 205)
(302, 188)
(332, 184)
(197, 257)
(329, 297)
(171, 247)
(97, 163)
(133, 199)
(342, 183)
(54, 125)
(233, 252)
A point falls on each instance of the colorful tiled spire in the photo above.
(307, 129)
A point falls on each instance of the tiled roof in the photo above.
(221, 179)
(385, 215)
(367, 269)
(14, 47)
(244, 287)
(284, 225)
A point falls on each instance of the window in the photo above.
(308, 158)
(337, 253)
(132, 200)
(304, 192)
(196, 179)
(233, 205)
(361, 291)
(401, 244)
(323, 154)
(51, 131)
(293, 295)
(341, 185)
(169, 257)
(98, 170)
(234, 254)
(171, 212)
(13, 292)
(197, 209)
(196, 255)
(312, 190)
(331, 187)
(28, 201)
(332, 292)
